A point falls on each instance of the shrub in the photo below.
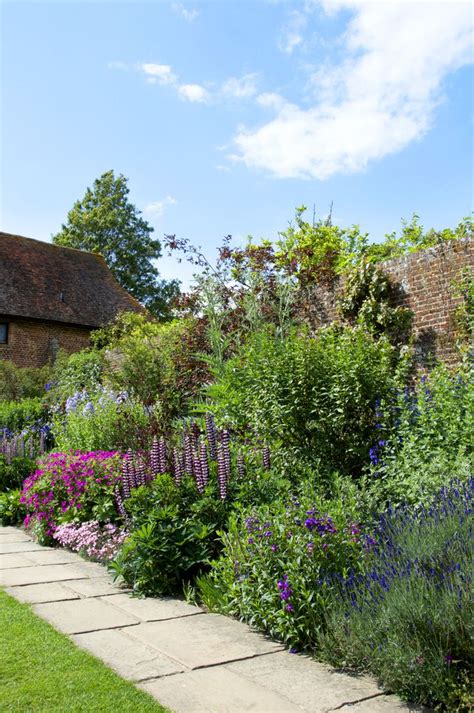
(312, 397)
(99, 421)
(18, 415)
(71, 487)
(76, 372)
(13, 471)
(12, 512)
(21, 382)
(277, 562)
(156, 363)
(423, 438)
(409, 618)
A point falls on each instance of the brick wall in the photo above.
(425, 280)
(35, 343)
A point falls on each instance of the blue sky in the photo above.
(226, 115)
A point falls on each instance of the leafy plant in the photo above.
(21, 382)
(99, 421)
(409, 619)
(12, 511)
(422, 438)
(277, 562)
(369, 299)
(312, 397)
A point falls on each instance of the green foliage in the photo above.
(414, 238)
(464, 315)
(100, 421)
(312, 397)
(13, 473)
(16, 415)
(21, 382)
(12, 512)
(105, 222)
(369, 300)
(319, 250)
(427, 431)
(275, 566)
(76, 372)
(410, 620)
(155, 363)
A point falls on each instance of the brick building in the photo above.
(51, 298)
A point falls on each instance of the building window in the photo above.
(3, 332)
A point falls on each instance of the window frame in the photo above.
(6, 325)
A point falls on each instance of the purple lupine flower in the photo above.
(140, 473)
(221, 472)
(266, 458)
(188, 454)
(126, 477)
(119, 503)
(162, 456)
(211, 435)
(197, 472)
(154, 457)
(204, 463)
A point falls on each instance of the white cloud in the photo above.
(381, 97)
(270, 100)
(193, 93)
(117, 65)
(292, 35)
(188, 15)
(240, 87)
(157, 208)
(158, 73)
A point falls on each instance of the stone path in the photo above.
(189, 660)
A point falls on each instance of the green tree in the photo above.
(105, 222)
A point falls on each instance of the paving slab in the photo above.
(216, 690)
(130, 658)
(16, 536)
(382, 704)
(87, 569)
(204, 640)
(81, 615)
(10, 530)
(29, 546)
(153, 609)
(95, 587)
(38, 575)
(12, 561)
(41, 593)
(310, 685)
(57, 556)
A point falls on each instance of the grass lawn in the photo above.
(42, 671)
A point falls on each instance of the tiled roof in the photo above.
(48, 282)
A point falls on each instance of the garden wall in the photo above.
(426, 282)
(36, 343)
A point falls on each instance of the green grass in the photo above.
(42, 671)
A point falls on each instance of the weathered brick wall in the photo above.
(426, 283)
(35, 343)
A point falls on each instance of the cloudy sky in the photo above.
(226, 115)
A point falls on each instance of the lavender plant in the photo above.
(408, 618)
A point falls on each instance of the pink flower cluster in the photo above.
(65, 482)
(98, 542)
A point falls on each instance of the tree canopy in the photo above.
(105, 222)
